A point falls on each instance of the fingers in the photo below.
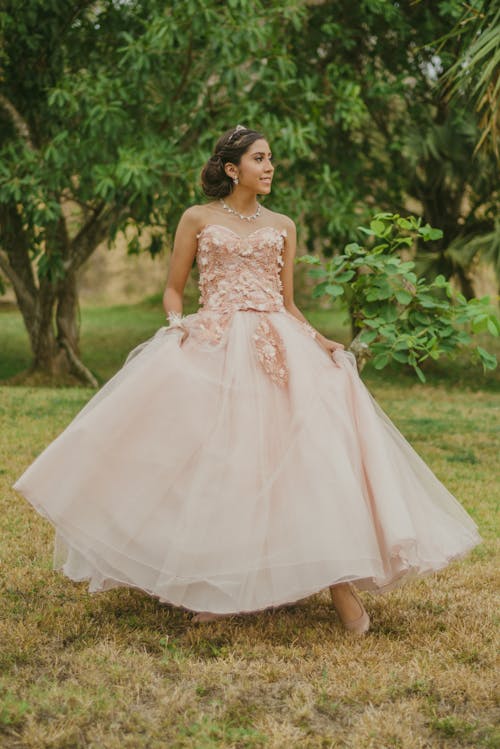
(184, 336)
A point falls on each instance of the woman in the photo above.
(237, 462)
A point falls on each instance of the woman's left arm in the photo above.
(287, 272)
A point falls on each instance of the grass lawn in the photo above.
(118, 670)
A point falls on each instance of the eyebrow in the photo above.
(261, 153)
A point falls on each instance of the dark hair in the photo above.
(229, 148)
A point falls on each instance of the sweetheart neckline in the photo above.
(281, 232)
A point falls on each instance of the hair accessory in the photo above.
(235, 132)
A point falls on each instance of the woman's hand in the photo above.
(328, 345)
(176, 320)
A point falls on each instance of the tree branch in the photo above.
(188, 59)
(19, 286)
(90, 235)
(78, 366)
(19, 122)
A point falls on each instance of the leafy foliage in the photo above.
(108, 111)
(476, 71)
(402, 317)
(125, 108)
(383, 135)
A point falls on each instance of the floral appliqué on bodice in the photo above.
(243, 273)
(239, 273)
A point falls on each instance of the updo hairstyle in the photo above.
(229, 148)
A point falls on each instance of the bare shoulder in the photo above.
(281, 221)
(193, 217)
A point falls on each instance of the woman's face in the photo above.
(255, 170)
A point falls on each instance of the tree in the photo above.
(107, 111)
(381, 131)
(476, 72)
(475, 77)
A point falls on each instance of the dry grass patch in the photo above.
(118, 670)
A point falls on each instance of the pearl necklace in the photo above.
(240, 215)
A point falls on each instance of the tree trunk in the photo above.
(50, 308)
(54, 331)
(50, 316)
(66, 313)
(466, 286)
(356, 328)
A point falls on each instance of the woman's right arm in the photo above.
(181, 260)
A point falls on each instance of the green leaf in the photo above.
(427, 302)
(345, 276)
(388, 313)
(480, 323)
(404, 223)
(440, 281)
(377, 227)
(381, 361)
(408, 265)
(419, 372)
(318, 272)
(367, 336)
(400, 356)
(407, 241)
(488, 360)
(334, 290)
(319, 290)
(429, 234)
(493, 326)
(373, 322)
(308, 259)
(401, 345)
(463, 337)
(403, 297)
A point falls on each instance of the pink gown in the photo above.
(245, 468)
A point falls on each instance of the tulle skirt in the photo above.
(193, 476)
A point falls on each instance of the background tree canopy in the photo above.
(109, 109)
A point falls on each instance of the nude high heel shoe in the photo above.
(361, 624)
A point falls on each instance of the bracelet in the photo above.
(175, 318)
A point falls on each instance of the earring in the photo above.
(235, 180)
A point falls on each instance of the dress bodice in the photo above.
(240, 272)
